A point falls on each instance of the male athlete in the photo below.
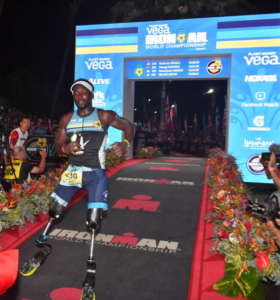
(82, 134)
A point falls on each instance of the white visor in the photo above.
(84, 83)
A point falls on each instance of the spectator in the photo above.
(18, 137)
(38, 129)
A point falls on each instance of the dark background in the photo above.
(33, 38)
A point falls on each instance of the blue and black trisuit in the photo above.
(88, 169)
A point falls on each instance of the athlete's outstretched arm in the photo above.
(110, 118)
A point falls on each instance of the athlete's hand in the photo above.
(119, 148)
(73, 148)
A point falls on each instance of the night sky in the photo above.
(33, 35)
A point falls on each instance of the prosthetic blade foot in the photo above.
(88, 293)
(35, 262)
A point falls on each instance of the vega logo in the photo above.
(257, 59)
(99, 64)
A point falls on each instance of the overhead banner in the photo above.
(243, 49)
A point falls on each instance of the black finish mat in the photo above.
(145, 245)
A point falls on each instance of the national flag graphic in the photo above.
(171, 118)
(204, 123)
(166, 113)
(186, 125)
(175, 120)
(195, 123)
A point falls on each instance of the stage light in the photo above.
(210, 91)
(155, 112)
(135, 109)
(172, 105)
(149, 100)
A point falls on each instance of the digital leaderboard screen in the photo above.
(191, 67)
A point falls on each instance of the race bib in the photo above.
(72, 176)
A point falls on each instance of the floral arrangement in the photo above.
(26, 200)
(148, 152)
(112, 160)
(244, 239)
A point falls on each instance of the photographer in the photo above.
(22, 168)
(272, 172)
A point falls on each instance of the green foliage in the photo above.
(237, 234)
(233, 283)
(148, 152)
(112, 160)
(144, 10)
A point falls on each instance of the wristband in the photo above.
(126, 142)
(271, 169)
(62, 149)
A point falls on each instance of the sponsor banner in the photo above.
(126, 241)
(37, 143)
(156, 181)
(242, 48)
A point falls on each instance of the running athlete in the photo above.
(83, 134)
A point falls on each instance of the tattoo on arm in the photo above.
(123, 120)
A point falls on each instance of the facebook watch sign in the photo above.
(243, 49)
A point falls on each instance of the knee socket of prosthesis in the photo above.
(56, 210)
(94, 216)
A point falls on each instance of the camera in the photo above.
(268, 209)
(272, 148)
(266, 157)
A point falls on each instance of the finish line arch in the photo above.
(245, 50)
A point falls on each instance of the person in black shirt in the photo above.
(22, 168)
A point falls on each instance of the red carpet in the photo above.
(13, 237)
(206, 268)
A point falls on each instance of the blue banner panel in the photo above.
(244, 49)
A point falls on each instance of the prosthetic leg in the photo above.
(40, 257)
(94, 217)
